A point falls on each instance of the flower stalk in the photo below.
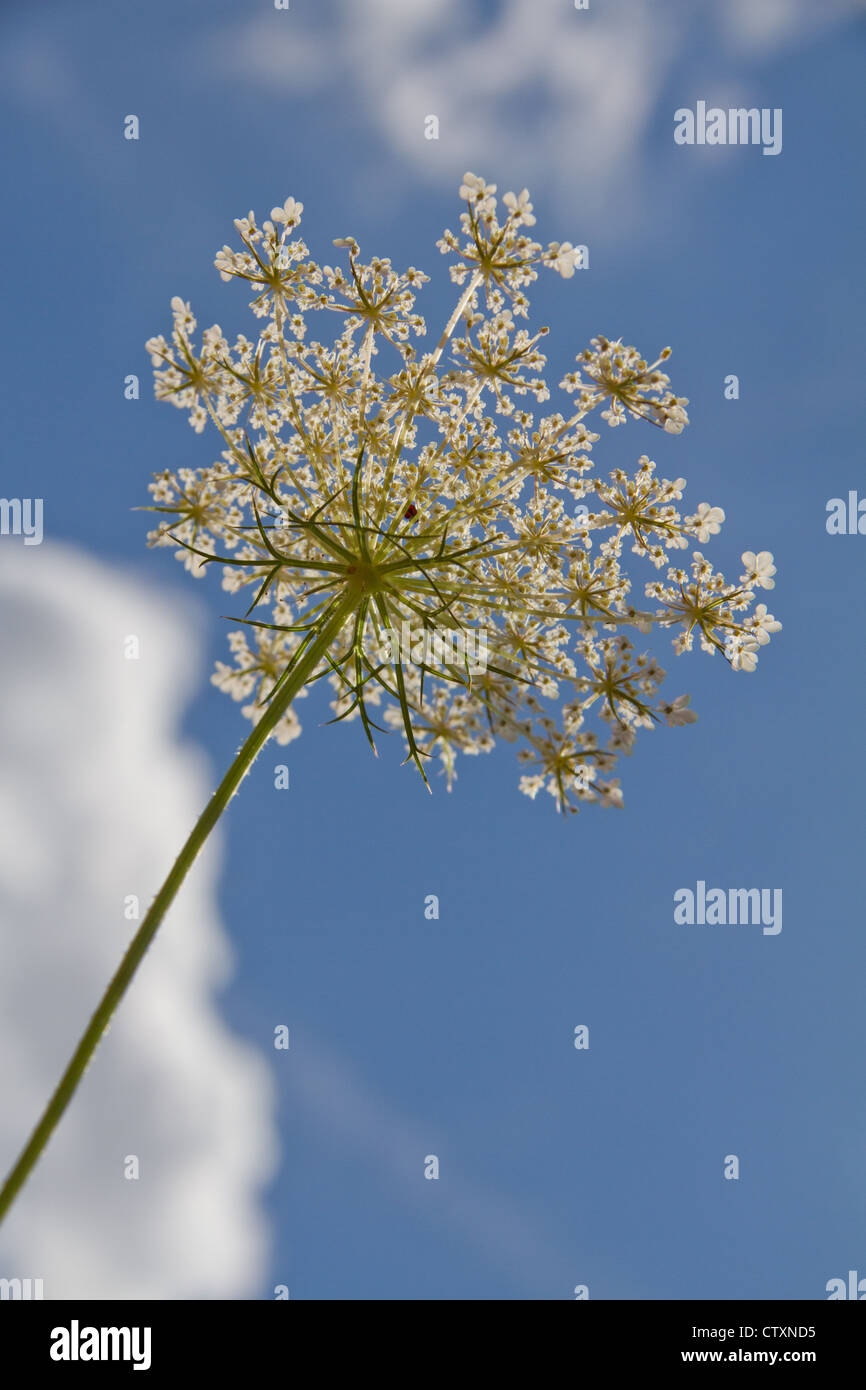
(123, 977)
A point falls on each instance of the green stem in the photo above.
(122, 979)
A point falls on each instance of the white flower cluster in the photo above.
(427, 493)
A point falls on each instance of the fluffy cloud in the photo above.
(760, 28)
(536, 91)
(96, 795)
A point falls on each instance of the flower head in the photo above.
(633, 387)
(370, 484)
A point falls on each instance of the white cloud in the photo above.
(96, 796)
(761, 28)
(539, 89)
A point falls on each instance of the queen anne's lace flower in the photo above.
(622, 376)
(706, 522)
(759, 569)
(427, 494)
(678, 712)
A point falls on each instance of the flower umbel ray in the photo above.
(412, 490)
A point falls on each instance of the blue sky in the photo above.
(453, 1038)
